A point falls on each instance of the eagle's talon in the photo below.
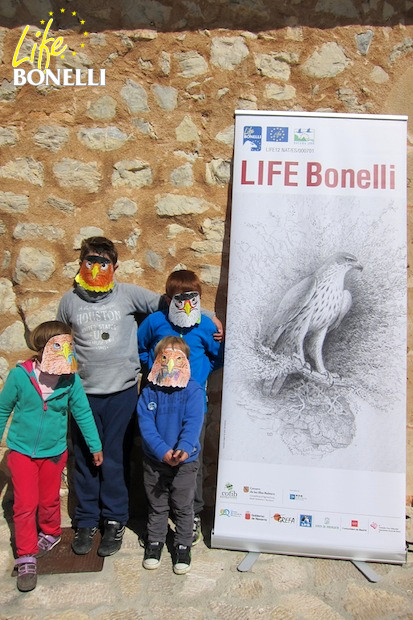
(298, 358)
(331, 377)
(300, 363)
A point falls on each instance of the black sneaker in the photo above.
(182, 562)
(196, 531)
(82, 542)
(152, 557)
(112, 538)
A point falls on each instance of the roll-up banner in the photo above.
(312, 447)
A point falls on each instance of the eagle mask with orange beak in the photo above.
(96, 274)
(185, 309)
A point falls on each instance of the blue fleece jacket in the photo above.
(171, 418)
(206, 354)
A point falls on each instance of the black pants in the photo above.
(170, 487)
(102, 491)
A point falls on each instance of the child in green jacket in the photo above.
(41, 392)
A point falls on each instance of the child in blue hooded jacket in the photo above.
(170, 413)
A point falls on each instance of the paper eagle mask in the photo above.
(170, 368)
(58, 357)
(185, 309)
(96, 274)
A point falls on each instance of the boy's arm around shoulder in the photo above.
(8, 399)
(219, 329)
(82, 413)
(193, 418)
(213, 348)
(144, 301)
(145, 339)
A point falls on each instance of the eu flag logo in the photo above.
(277, 134)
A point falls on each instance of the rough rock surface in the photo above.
(146, 159)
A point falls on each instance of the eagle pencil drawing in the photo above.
(309, 310)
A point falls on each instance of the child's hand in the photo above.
(168, 458)
(219, 334)
(97, 458)
(179, 456)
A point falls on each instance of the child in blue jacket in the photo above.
(183, 318)
(170, 413)
(41, 391)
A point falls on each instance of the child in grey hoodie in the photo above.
(101, 312)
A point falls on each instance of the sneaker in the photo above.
(112, 538)
(152, 557)
(26, 573)
(196, 531)
(46, 542)
(82, 542)
(182, 563)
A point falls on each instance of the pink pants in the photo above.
(36, 484)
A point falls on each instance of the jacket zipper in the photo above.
(44, 407)
(36, 443)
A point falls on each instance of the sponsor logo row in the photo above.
(259, 494)
(317, 521)
(254, 135)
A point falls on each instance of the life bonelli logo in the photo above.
(38, 53)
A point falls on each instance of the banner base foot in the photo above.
(248, 562)
(367, 571)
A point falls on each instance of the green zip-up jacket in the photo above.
(39, 427)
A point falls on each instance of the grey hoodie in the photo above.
(105, 334)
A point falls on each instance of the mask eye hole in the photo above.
(104, 267)
(164, 358)
(56, 346)
(88, 264)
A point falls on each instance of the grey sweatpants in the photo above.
(170, 487)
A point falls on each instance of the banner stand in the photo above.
(252, 556)
(367, 571)
(312, 455)
(248, 562)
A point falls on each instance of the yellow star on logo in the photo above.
(62, 10)
(42, 21)
(82, 45)
(74, 13)
(50, 12)
(74, 53)
(62, 57)
(82, 21)
(85, 33)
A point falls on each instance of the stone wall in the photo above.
(146, 159)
